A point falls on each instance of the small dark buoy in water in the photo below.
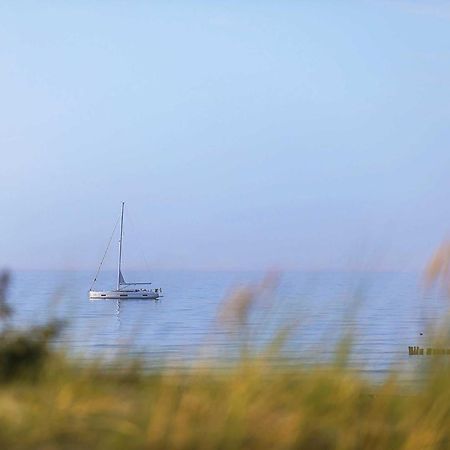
(421, 334)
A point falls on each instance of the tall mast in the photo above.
(120, 247)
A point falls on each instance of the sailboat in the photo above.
(124, 290)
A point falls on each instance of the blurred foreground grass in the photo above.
(48, 401)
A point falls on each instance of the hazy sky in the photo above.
(288, 134)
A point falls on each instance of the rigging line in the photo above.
(104, 256)
(136, 231)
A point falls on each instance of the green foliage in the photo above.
(23, 353)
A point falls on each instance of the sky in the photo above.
(241, 135)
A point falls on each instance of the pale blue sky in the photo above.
(308, 134)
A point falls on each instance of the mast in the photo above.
(120, 247)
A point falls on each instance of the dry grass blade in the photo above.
(438, 269)
(5, 309)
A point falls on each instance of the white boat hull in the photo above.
(124, 295)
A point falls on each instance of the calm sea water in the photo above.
(386, 312)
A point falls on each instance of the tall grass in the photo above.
(48, 401)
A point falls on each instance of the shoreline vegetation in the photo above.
(51, 401)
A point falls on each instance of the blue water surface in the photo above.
(305, 314)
